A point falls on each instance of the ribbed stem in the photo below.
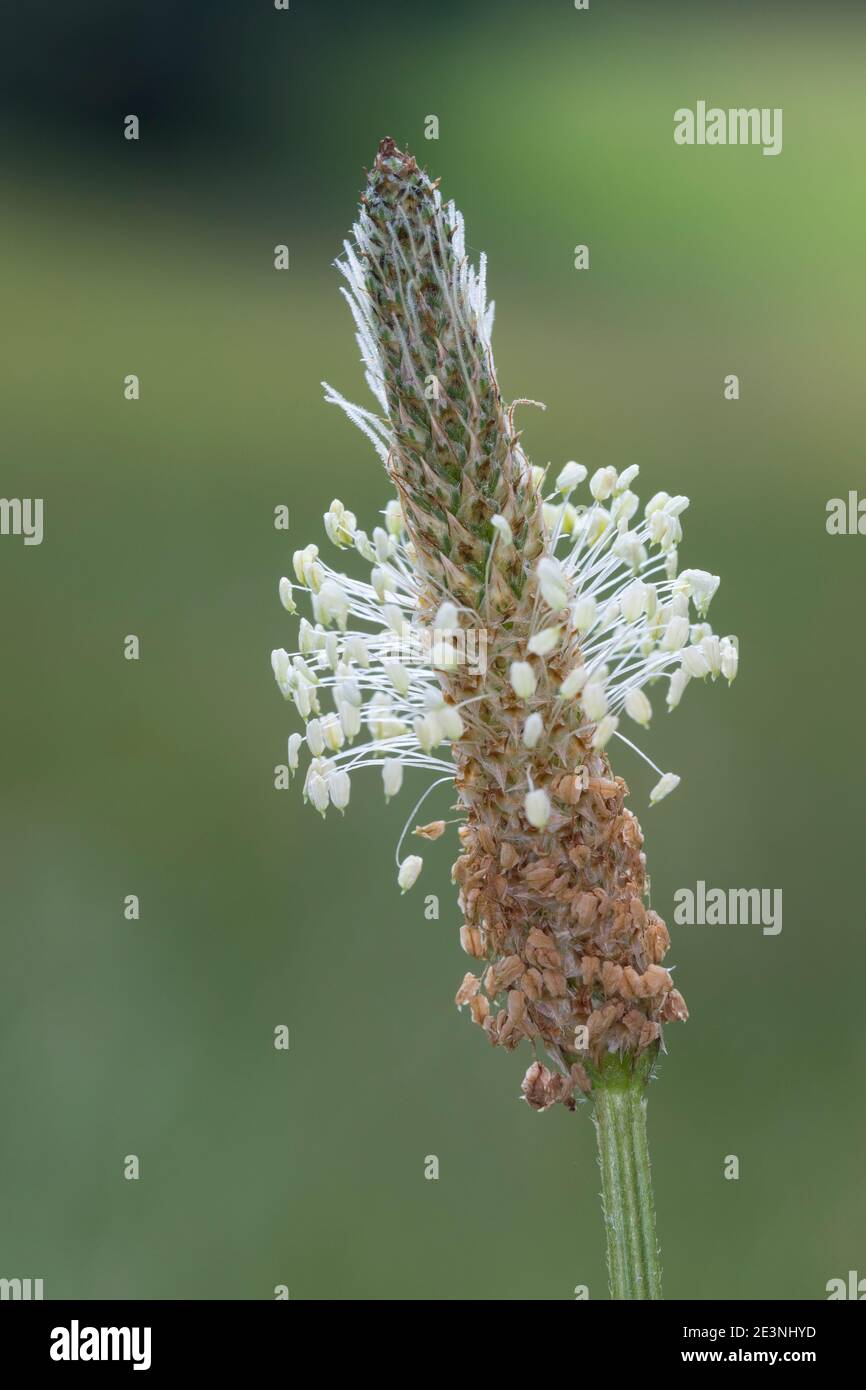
(633, 1262)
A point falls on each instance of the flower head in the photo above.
(502, 639)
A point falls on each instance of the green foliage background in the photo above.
(155, 1038)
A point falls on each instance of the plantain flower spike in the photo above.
(504, 637)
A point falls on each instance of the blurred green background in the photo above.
(155, 1038)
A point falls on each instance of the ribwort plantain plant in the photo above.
(541, 621)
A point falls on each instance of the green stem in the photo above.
(629, 1214)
